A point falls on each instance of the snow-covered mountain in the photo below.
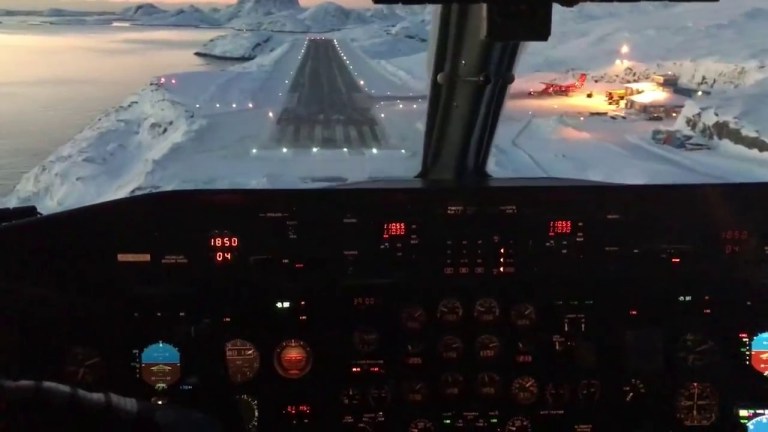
(55, 12)
(190, 16)
(243, 45)
(332, 16)
(142, 10)
(246, 11)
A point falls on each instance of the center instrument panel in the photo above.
(511, 309)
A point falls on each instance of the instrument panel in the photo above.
(507, 309)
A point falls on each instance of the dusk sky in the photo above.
(114, 5)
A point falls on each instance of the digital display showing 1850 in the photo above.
(223, 246)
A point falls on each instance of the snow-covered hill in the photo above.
(332, 16)
(243, 45)
(142, 10)
(190, 16)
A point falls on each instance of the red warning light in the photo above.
(394, 229)
(560, 227)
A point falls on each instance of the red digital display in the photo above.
(734, 235)
(224, 241)
(394, 229)
(223, 246)
(560, 227)
(223, 256)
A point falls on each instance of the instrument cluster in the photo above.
(411, 311)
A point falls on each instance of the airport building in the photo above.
(640, 87)
(663, 103)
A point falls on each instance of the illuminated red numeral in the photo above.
(219, 256)
(218, 241)
(235, 241)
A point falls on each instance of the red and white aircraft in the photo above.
(560, 89)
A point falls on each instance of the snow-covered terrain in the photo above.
(213, 129)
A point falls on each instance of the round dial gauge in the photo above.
(695, 350)
(525, 390)
(488, 347)
(523, 315)
(450, 348)
(413, 317)
(379, 395)
(518, 424)
(488, 384)
(83, 367)
(416, 392)
(293, 359)
(589, 390)
(449, 311)
(414, 353)
(759, 353)
(697, 404)
(633, 391)
(351, 397)
(557, 394)
(486, 310)
(249, 412)
(451, 384)
(366, 340)
(243, 360)
(421, 425)
(160, 365)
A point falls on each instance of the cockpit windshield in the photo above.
(105, 99)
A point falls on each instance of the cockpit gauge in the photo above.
(589, 390)
(379, 395)
(633, 392)
(451, 384)
(488, 347)
(414, 353)
(243, 360)
(293, 359)
(413, 317)
(416, 392)
(759, 424)
(362, 427)
(759, 353)
(449, 311)
(450, 348)
(83, 366)
(366, 340)
(160, 365)
(518, 424)
(697, 404)
(486, 310)
(525, 390)
(523, 315)
(695, 350)
(557, 394)
(488, 384)
(351, 397)
(249, 412)
(523, 352)
(421, 425)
